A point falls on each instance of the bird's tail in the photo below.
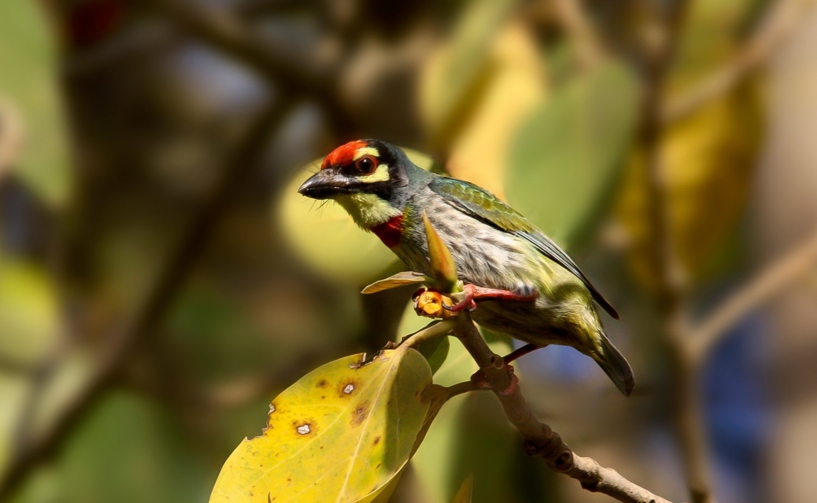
(613, 363)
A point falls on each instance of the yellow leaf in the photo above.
(481, 152)
(454, 75)
(29, 312)
(477, 88)
(342, 433)
(708, 159)
(396, 281)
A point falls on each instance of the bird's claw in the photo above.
(466, 302)
(473, 293)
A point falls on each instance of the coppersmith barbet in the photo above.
(493, 246)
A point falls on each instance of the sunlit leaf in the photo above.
(510, 85)
(341, 433)
(29, 317)
(396, 281)
(28, 82)
(324, 236)
(456, 76)
(708, 159)
(568, 155)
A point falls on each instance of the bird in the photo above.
(493, 246)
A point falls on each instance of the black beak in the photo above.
(327, 183)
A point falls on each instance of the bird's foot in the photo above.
(473, 293)
(481, 381)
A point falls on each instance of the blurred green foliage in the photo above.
(496, 89)
(29, 64)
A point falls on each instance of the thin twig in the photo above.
(782, 272)
(540, 439)
(459, 389)
(777, 24)
(170, 280)
(431, 331)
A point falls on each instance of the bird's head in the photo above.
(359, 167)
(371, 179)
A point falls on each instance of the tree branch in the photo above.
(540, 439)
(761, 288)
(769, 36)
(170, 280)
(672, 278)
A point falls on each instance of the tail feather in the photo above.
(613, 363)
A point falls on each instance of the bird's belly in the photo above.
(488, 257)
(484, 255)
(537, 322)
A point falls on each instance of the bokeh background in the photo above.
(160, 280)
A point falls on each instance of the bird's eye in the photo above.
(366, 165)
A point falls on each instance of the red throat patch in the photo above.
(390, 232)
(343, 155)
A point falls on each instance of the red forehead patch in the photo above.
(343, 155)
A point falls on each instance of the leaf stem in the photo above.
(431, 331)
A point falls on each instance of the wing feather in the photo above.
(482, 205)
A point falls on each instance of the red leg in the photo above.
(520, 352)
(474, 293)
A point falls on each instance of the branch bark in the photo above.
(781, 273)
(673, 284)
(540, 439)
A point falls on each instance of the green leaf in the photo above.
(569, 153)
(29, 315)
(342, 433)
(129, 449)
(28, 82)
(435, 464)
(324, 236)
(455, 79)
(435, 351)
(396, 281)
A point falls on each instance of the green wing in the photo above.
(482, 205)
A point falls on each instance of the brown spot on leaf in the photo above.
(322, 383)
(359, 414)
(304, 427)
(376, 440)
